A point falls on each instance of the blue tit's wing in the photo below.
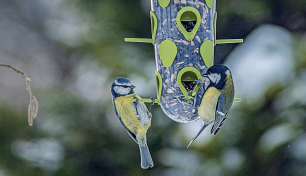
(220, 115)
(143, 113)
(132, 135)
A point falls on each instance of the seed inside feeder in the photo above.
(189, 85)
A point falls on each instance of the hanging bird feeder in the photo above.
(184, 36)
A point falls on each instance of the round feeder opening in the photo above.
(188, 20)
(188, 80)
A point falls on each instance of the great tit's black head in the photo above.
(217, 75)
(121, 87)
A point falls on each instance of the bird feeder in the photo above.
(184, 36)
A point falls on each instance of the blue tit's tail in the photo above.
(203, 127)
(146, 160)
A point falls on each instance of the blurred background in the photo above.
(74, 49)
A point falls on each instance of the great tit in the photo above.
(134, 116)
(217, 99)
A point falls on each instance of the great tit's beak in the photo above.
(206, 77)
(206, 81)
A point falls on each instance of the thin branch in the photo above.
(33, 105)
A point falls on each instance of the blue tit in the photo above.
(217, 99)
(134, 116)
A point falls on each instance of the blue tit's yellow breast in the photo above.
(208, 104)
(127, 113)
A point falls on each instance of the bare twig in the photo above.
(33, 105)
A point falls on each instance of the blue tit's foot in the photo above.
(152, 103)
(135, 104)
(137, 99)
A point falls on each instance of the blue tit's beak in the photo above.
(133, 87)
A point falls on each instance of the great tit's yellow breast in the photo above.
(208, 105)
(127, 113)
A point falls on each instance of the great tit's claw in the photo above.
(190, 93)
(199, 81)
(194, 110)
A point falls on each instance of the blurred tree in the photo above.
(33, 105)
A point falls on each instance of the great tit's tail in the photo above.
(203, 127)
(146, 160)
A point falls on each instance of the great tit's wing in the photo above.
(132, 135)
(221, 114)
(201, 130)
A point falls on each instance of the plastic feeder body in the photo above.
(184, 39)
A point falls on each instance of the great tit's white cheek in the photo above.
(211, 78)
(227, 72)
(121, 90)
(215, 77)
(218, 78)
